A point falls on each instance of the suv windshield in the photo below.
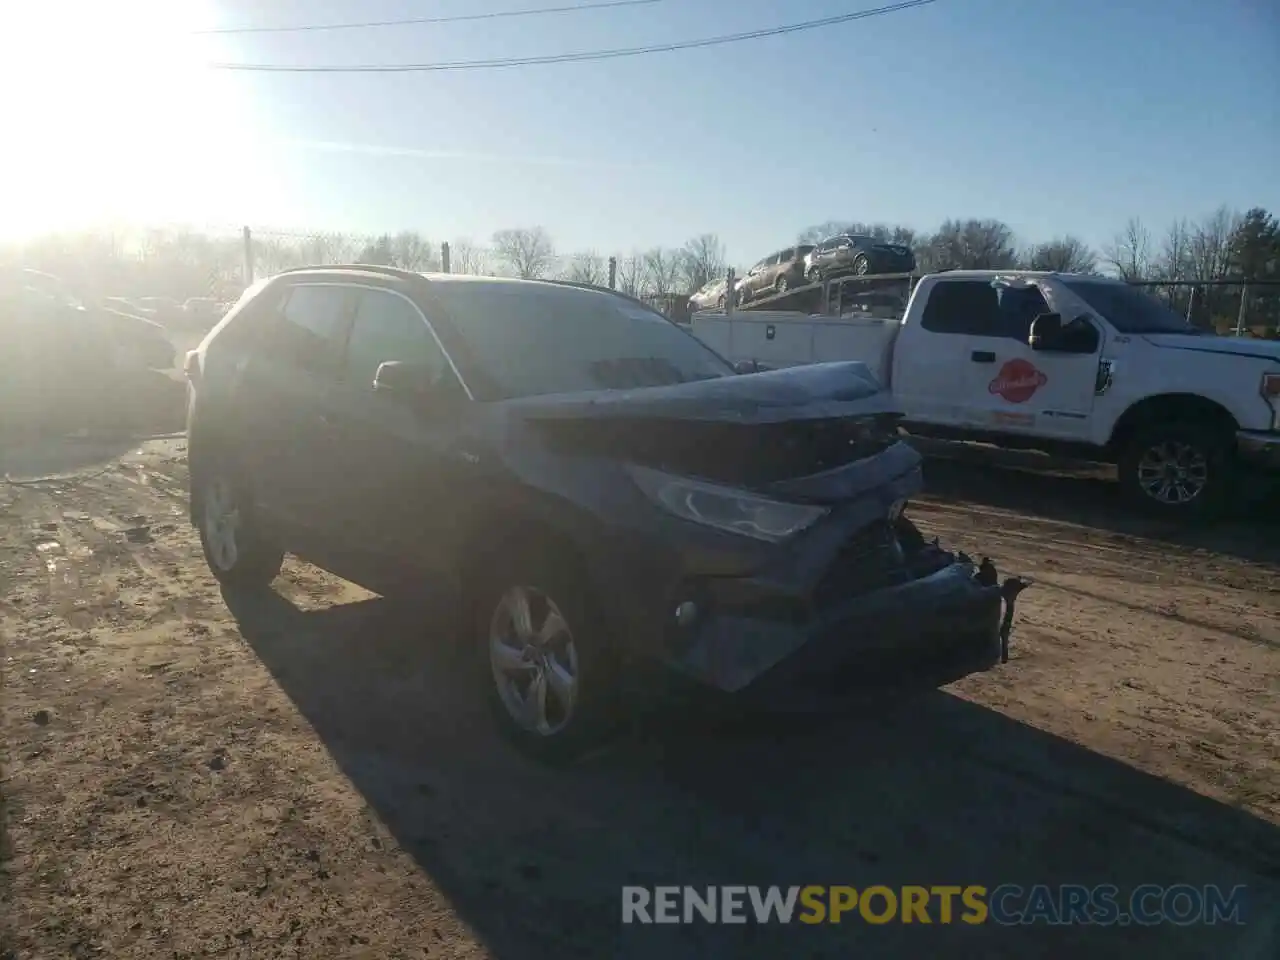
(1128, 309)
(530, 339)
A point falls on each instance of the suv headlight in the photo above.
(1270, 389)
(726, 508)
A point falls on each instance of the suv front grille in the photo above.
(878, 556)
(871, 560)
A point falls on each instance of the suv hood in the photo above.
(815, 391)
(1232, 346)
(753, 430)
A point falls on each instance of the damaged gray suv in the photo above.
(606, 492)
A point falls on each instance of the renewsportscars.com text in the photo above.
(1008, 904)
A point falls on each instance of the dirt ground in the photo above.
(304, 774)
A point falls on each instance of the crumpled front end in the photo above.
(862, 603)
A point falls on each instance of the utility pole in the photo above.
(1244, 299)
(729, 293)
(248, 258)
(613, 273)
(444, 256)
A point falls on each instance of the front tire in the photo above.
(1177, 470)
(781, 285)
(235, 548)
(814, 275)
(545, 656)
(861, 265)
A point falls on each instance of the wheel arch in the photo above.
(504, 530)
(1169, 407)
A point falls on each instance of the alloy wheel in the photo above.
(221, 523)
(1173, 473)
(534, 660)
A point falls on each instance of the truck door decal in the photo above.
(1017, 381)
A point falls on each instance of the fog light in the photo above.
(686, 614)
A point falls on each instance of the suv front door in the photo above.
(397, 461)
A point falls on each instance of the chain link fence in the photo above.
(1227, 307)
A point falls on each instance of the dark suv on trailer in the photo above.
(776, 273)
(859, 255)
(605, 490)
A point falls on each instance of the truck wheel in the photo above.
(545, 656)
(235, 548)
(1177, 469)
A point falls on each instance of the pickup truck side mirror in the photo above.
(1050, 335)
(750, 366)
(1045, 329)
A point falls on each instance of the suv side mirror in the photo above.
(406, 380)
(750, 366)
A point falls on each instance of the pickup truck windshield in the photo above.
(1128, 309)
(532, 339)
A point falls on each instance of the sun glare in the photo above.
(110, 114)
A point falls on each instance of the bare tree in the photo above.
(885, 233)
(701, 261)
(1065, 254)
(378, 251)
(661, 271)
(588, 268)
(1129, 254)
(631, 274)
(526, 250)
(1210, 247)
(412, 251)
(466, 257)
(1174, 261)
(969, 245)
(325, 248)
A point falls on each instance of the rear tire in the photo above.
(235, 547)
(814, 275)
(545, 656)
(1177, 470)
(780, 285)
(861, 265)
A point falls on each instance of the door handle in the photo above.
(982, 356)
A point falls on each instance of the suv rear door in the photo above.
(283, 389)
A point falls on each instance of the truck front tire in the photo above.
(1177, 470)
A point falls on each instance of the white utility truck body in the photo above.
(1050, 361)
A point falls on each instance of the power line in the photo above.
(575, 57)
(570, 8)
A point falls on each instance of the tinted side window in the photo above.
(786, 256)
(310, 327)
(962, 306)
(388, 327)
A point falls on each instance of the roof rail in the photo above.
(366, 267)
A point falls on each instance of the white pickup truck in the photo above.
(1065, 363)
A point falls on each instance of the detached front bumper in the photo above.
(1259, 449)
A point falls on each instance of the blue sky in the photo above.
(1056, 117)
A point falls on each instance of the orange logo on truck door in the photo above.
(1017, 381)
